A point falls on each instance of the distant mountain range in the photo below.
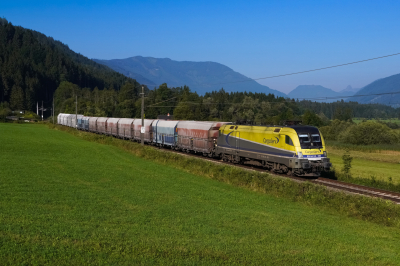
(205, 77)
(201, 77)
(319, 93)
(386, 85)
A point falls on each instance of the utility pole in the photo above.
(42, 110)
(142, 130)
(76, 112)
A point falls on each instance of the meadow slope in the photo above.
(67, 201)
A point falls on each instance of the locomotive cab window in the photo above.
(315, 138)
(310, 141)
(304, 139)
(288, 140)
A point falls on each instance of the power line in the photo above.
(300, 72)
(356, 95)
(312, 70)
(162, 101)
(288, 100)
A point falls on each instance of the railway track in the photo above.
(358, 189)
(330, 183)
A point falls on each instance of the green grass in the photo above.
(364, 168)
(373, 148)
(67, 201)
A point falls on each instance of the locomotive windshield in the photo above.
(309, 137)
(310, 141)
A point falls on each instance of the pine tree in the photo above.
(17, 98)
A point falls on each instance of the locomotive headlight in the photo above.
(300, 154)
(325, 154)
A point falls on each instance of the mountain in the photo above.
(349, 90)
(32, 66)
(201, 77)
(316, 93)
(385, 85)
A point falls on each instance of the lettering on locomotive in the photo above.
(312, 151)
(271, 141)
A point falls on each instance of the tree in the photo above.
(343, 114)
(17, 98)
(347, 162)
(311, 118)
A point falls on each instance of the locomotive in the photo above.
(292, 150)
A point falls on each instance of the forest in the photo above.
(32, 66)
(252, 108)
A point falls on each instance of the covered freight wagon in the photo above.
(74, 120)
(165, 133)
(198, 136)
(93, 124)
(112, 126)
(61, 119)
(154, 129)
(80, 122)
(102, 125)
(148, 130)
(125, 128)
(85, 123)
(69, 120)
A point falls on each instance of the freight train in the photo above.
(292, 150)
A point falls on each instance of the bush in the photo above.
(4, 111)
(369, 132)
(333, 131)
(347, 162)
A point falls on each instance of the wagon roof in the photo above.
(126, 120)
(102, 119)
(167, 123)
(147, 122)
(200, 124)
(113, 120)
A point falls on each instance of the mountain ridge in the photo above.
(317, 93)
(387, 85)
(201, 77)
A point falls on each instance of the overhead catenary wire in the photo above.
(311, 70)
(299, 72)
(278, 102)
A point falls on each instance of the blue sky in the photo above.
(255, 38)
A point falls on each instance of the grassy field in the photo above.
(380, 164)
(66, 201)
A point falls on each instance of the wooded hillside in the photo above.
(33, 65)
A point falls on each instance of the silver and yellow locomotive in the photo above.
(298, 150)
